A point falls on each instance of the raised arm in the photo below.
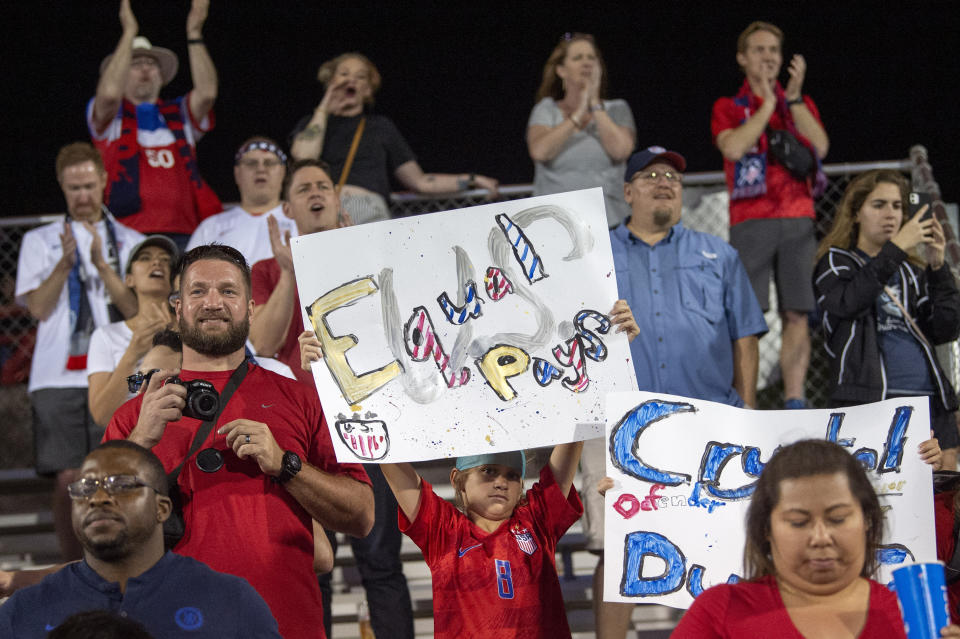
(622, 318)
(618, 141)
(202, 71)
(563, 464)
(413, 177)
(940, 318)
(42, 300)
(113, 80)
(308, 144)
(803, 118)
(107, 391)
(845, 289)
(120, 294)
(746, 360)
(405, 484)
(271, 320)
(734, 143)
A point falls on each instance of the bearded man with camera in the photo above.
(267, 465)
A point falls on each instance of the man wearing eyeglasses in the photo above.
(699, 321)
(119, 504)
(259, 167)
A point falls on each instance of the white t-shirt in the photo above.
(107, 345)
(40, 251)
(247, 233)
(275, 366)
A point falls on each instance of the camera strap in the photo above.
(207, 425)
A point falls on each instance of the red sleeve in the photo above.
(723, 117)
(433, 524)
(706, 616)
(124, 420)
(549, 505)
(943, 522)
(263, 279)
(943, 518)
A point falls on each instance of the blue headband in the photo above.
(514, 459)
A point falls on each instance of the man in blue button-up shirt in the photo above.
(699, 319)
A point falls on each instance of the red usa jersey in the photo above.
(500, 584)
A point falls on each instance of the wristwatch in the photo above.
(289, 467)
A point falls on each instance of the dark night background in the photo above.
(459, 81)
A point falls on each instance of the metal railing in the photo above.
(705, 209)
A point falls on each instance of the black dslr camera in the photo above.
(203, 400)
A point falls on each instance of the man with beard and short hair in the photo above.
(119, 505)
(259, 167)
(699, 322)
(266, 467)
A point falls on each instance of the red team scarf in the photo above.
(125, 188)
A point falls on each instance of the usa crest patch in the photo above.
(524, 539)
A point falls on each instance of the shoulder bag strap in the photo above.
(207, 425)
(352, 153)
(893, 296)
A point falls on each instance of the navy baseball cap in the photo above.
(642, 159)
(514, 459)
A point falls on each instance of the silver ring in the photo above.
(248, 438)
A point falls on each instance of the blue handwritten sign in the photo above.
(684, 471)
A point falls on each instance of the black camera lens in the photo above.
(204, 403)
(203, 400)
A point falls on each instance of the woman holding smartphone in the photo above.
(884, 309)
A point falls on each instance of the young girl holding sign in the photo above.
(492, 557)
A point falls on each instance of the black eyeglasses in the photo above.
(138, 379)
(114, 485)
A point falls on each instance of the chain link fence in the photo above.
(705, 209)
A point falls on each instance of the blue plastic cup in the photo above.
(922, 593)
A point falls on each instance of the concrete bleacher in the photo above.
(27, 540)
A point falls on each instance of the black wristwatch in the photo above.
(289, 467)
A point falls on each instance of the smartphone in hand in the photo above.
(915, 202)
